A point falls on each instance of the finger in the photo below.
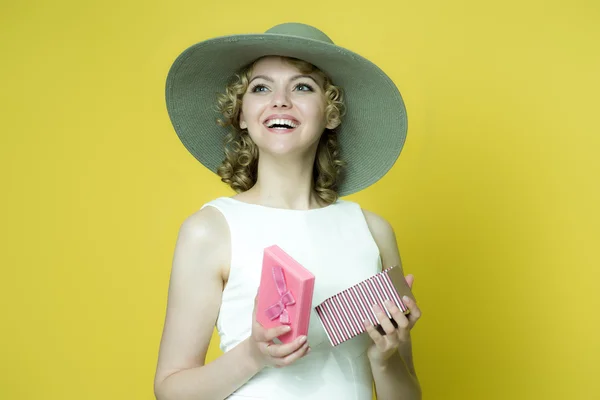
(272, 333)
(284, 350)
(397, 314)
(410, 279)
(415, 311)
(289, 359)
(402, 324)
(375, 336)
(254, 309)
(383, 319)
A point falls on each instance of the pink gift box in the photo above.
(342, 315)
(285, 294)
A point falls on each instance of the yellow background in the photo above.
(494, 198)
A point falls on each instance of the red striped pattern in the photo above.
(342, 314)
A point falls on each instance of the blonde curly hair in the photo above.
(239, 168)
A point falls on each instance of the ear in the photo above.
(243, 124)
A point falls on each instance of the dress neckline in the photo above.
(289, 210)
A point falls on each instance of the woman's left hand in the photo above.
(385, 346)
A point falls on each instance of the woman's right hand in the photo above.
(267, 353)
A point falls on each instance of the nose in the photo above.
(280, 99)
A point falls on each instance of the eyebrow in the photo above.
(295, 77)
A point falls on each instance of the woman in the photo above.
(283, 120)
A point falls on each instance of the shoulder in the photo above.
(204, 235)
(378, 225)
(384, 236)
(207, 224)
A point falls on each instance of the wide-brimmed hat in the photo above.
(372, 132)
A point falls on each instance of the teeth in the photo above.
(282, 122)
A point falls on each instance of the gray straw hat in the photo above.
(372, 132)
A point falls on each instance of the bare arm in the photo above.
(200, 265)
(195, 288)
(396, 379)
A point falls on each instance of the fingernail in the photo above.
(308, 351)
(302, 339)
(406, 299)
(287, 328)
(376, 308)
(388, 303)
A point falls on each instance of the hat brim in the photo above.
(372, 132)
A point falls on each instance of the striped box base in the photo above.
(342, 314)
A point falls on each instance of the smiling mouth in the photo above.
(282, 124)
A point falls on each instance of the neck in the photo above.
(284, 182)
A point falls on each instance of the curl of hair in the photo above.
(239, 168)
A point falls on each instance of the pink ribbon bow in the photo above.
(285, 298)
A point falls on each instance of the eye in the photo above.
(259, 88)
(304, 87)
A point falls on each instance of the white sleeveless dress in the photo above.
(335, 244)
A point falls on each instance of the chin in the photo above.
(282, 149)
(284, 143)
(285, 148)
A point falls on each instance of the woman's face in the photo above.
(283, 109)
